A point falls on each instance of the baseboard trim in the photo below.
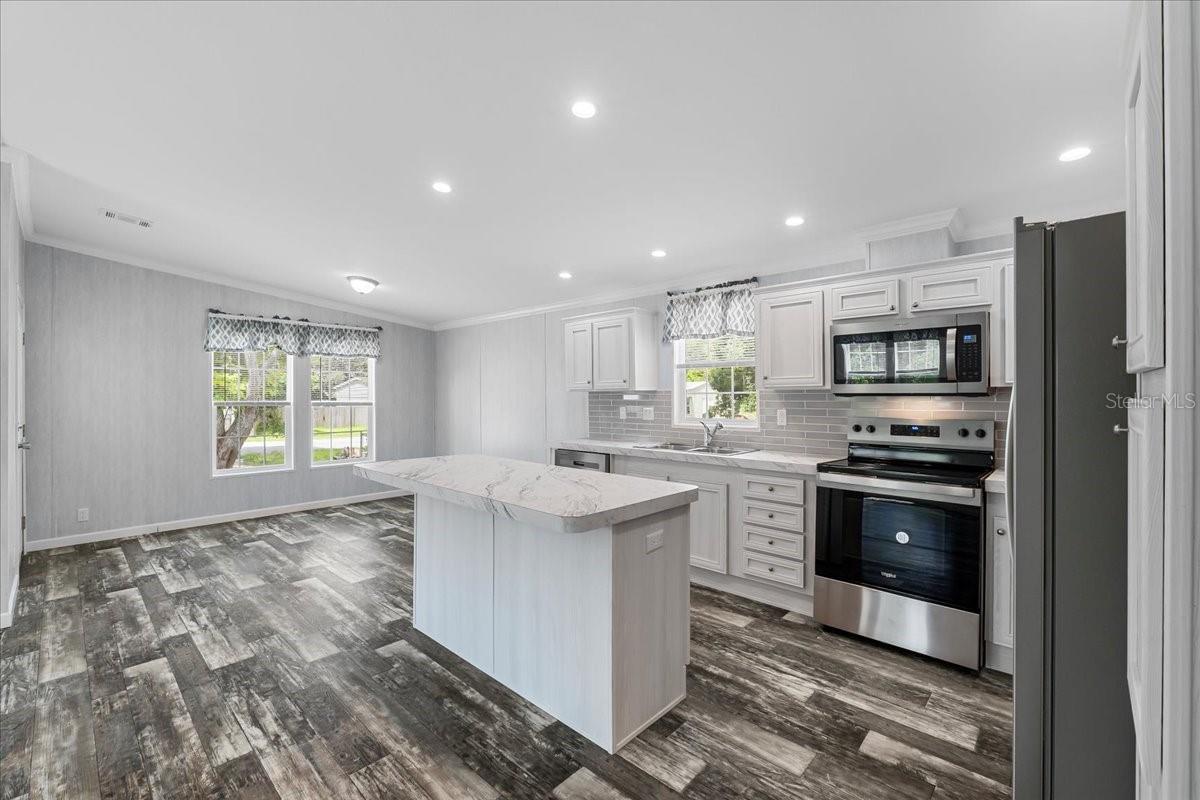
(752, 590)
(212, 519)
(6, 617)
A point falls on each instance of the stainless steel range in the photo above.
(900, 532)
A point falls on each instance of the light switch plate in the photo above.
(621, 412)
(781, 417)
(654, 540)
(648, 413)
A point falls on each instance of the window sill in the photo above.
(343, 462)
(238, 473)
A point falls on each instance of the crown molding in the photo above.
(18, 160)
(922, 223)
(223, 280)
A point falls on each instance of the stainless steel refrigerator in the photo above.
(1067, 500)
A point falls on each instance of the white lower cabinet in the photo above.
(710, 526)
(1001, 607)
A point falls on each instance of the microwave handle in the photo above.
(951, 363)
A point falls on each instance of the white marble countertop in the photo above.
(994, 483)
(768, 460)
(556, 498)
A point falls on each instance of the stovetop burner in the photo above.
(946, 452)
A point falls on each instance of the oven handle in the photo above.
(961, 495)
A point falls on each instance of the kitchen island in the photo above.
(569, 587)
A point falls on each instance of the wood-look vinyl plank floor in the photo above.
(275, 658)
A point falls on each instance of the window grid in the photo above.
(251, 422)
(343, 407)
(715, 379)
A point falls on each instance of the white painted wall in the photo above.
(118, 399)
(11, 251)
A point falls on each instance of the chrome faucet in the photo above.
(710, 432)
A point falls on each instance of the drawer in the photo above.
(769, 568)
(779, 489)
(773, 515)
(777, 543)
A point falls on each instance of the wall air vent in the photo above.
(118, 216)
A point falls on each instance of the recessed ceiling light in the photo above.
(584, 109)
(658, 253)
(566, 276)
(794, 221)
(1075, 153)
(442, 186)
(362, 285)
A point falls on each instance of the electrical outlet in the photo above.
(654, 540)
(781, 417)
(621, 412)
(648, 413)
(81, 515)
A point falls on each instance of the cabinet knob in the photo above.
(1001, 531)
(891, 308)
(770, 569)
(770, 488)
(770, 541)
(915, 304)
(770, 516)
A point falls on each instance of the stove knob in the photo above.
(856, 427)
(980, 432)
(870, 429)
(963, 432)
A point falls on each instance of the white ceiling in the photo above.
(290, 145)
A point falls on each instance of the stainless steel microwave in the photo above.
(945, 354)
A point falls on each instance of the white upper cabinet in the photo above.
(791, 339)
(942, 290)
(1145, 313)
(578, 349)
(615, 351)
(875, 299)
(610, 353)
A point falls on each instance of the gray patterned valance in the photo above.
(723, 310)
(294, 337)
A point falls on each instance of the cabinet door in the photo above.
(578, 350)
(1145, 311)
(791, 340)
(1002, 587)
(1144, 615)
(710, 526)
(610, 353)
(960, 288)
(878, 299)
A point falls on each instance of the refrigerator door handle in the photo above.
(1009, 438)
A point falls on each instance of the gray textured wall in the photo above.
(11, 252)
(118, 399)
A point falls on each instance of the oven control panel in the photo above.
(959, 434)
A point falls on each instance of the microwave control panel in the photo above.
(969, 353)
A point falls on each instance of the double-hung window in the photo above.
(343, 408)
(252, 411)
(715, 380)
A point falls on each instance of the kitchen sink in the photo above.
(682, 447)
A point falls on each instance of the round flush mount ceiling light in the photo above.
(362, 285)
(659, 253)
(442, 187)
(584, 109)
(1075, 153)
(794, 221)
(566, 276)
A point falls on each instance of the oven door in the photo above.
(921, 548)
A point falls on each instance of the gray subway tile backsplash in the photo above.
(816, 420)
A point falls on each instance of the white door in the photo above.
(1144, 615)
(1002, 587)
(878, 299)
(610, 353)
(23, 443)
(578, 349)
(709, 521)
(1144, 214)
(961, 288)
(791, 340)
